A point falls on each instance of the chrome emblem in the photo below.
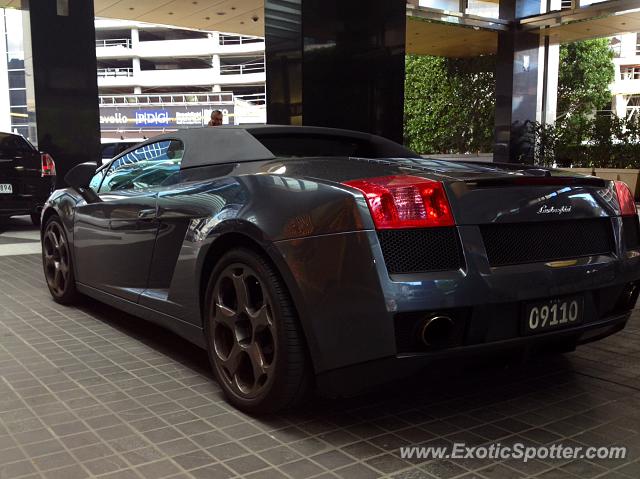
(553, 210)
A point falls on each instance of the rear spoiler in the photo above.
(517, 180)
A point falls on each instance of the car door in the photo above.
(114, 238)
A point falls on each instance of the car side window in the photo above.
(94, 184)
(145, 167)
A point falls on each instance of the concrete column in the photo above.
(336, 63)
(215, 64)
(215, 38)
(135, 39)
(135, 42)
(526, 84)
(60, 43)
(215, 59)
(620, 105)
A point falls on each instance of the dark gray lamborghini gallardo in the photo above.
(310, 257)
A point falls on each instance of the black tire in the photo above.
(35, 219)
(262, 363)
(57, 262)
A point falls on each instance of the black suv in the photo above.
(27, 177)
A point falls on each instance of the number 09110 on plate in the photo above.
(551, 314)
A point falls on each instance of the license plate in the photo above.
(6, 188)
(550, 314)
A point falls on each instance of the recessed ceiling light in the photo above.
(170, 13)
(131, 8)
(195, 3)
(221, 13)
(207, 18)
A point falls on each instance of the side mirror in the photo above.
(79, 178)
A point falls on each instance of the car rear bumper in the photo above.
(21, 205)
(363, 376)
(350, 307)
(28, 197)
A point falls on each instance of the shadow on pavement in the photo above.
(498, 377)
(17, 223)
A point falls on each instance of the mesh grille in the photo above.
(518, 243)
(419, 250)
(631, 232)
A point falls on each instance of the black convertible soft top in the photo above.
(238, 144)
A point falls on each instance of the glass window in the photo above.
(19, 114)
(18, 97)
(94, 184)
(20, 130)
(146, 167)
(15, 64)
(16, 79)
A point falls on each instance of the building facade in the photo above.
(150, 77)
(626, 86)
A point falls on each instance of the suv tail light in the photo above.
(405, 202)
(625, 199)
(48, 167)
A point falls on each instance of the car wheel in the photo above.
(35, 219)
(56, 260)
(255, 344)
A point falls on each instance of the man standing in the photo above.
(216, 118)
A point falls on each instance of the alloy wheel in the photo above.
(56, 258)
(244, 333)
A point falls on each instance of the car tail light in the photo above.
(48, 167)
(405, 202)
(625, 199)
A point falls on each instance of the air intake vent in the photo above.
(631, 232)
(421, 250)
(518, 243)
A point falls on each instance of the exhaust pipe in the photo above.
(437, 331)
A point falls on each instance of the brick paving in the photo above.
(92, 392)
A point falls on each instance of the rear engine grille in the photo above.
(421, 250)
(517, 243)
(631, 232)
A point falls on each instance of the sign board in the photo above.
(117, 118)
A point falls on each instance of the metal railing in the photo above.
(114, 42)
(167, 99)
(238, 39)
(255, 99)
(254, 67)
(115, 72)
